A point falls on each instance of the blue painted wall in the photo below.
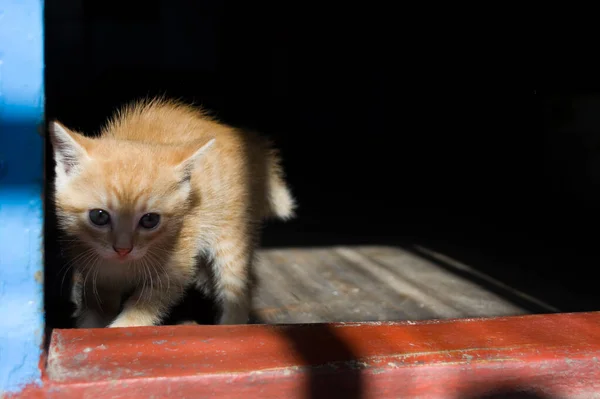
(21, 191)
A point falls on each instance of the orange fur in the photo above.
(212, 186)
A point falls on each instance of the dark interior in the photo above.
(387, 136)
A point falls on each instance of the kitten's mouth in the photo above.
(113, 257)
(126, 258)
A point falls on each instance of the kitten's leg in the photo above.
(97, 306)
(90, 318)
(148, 307)
(85, 317)
(231, 264)
(202, 278)
(76, 296)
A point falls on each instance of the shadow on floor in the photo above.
(318, 347)
(509, 393)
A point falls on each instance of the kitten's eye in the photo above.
(150, 220)
(99, 217)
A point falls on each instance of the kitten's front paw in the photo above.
(187, 323)
(128, 323)
(132, 319)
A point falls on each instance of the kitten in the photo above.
(165, 198)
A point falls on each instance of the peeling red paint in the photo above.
(555, 355)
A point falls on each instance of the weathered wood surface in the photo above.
(311, 285)
(544, 356)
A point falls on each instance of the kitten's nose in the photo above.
(122, 251)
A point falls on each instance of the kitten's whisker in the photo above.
(67, 239)
(165, 273)
(161, 262)
(76, 258)
(142, 292)
(88, 264)
(137, 274)
(155, 262)
(66, 267)
(153, 270)
(162, 254)
(72, 263)
(85, 266)
(159, 274)
(62, 282)
(94, 288)
(88, 269)
(165, 251)
(151, 280)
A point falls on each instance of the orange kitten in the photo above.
(165, 198)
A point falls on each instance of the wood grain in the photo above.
(312, 285)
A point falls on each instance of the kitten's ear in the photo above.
(186, 166)
(68, 148)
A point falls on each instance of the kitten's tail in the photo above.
(280, 202)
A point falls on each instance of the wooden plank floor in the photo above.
(376, 283)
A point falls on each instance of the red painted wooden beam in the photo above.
(548, 356)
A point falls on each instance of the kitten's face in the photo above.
(123, 209)
(124, 201)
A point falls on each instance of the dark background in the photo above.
(388, 134)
